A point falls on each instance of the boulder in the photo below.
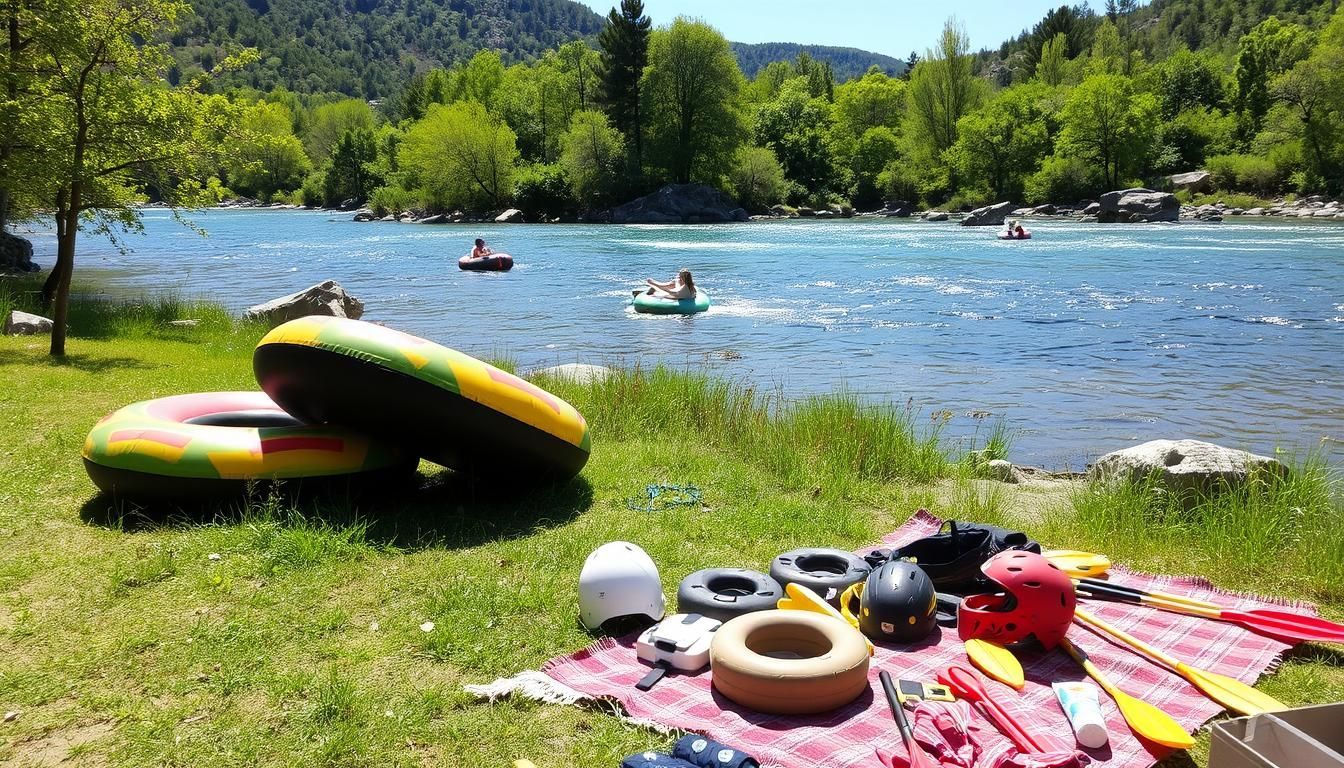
(16, 255)
(1048, 209)
(782, 211)
(935, 216)
(327, 298)
(23, 324)
(579, 373)
(897, 208)
(364, 214)
(989, 216)
(1256, 212)
(1138, 205)
(1195, 181)
(825, 214)
(511, 216)
(806, 212)
(436, 219)
(1189, 468)
(680, 204)
(184, 323)
(1092, 209)
(388, 217)
(1003, 471)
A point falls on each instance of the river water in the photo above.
(1085, 339)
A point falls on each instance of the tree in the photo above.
(462, 154)
(794, 125)
(1074, 22)
(591, 156)
(1187, 81)
(18, 110)
(111, 127)
(330, 122)
(877, 149)
(1054, 56)
(1000, 145)
(1106, 123)
(480, 79)
(869, 102)
(820, 78)
(264, 155)
(351, 174)
(691, 85)
(625, 53)
(1109, 54)
(581, 68)
(1270, 49)
(943, 88)
(757, 178)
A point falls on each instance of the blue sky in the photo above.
(893, 27)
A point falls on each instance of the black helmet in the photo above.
(895, 603)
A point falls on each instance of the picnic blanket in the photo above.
(850, 737)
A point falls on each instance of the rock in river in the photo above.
(680, 204)
(989, 216)
(327, 298)
(1138, 205)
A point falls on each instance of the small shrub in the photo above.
(392, 199)
(1248, 173)
(1062, 179)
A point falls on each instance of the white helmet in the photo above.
(619, 579)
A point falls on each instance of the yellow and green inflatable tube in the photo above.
(443, 405)
(215, 443)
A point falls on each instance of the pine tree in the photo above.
(625, 52)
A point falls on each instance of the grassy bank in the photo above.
(271, 634)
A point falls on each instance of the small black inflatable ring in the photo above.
(726, 593)
(828, 572)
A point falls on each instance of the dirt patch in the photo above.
(60, 747)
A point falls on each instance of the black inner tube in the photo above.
(735, 586)
(822, 564)
(255, 419)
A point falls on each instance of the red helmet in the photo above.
(1037, 599)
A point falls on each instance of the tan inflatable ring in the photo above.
(789, 662)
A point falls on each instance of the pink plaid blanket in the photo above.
(848, 737)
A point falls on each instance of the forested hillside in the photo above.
(368, 48)
(846, 63)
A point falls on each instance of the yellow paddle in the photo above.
(1078, 564)
(1144, 719)
(800, 598)
(997, 662)
(1233, 694)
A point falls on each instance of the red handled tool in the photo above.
(918, 759)
(966, 684)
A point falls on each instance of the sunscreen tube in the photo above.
(1079, 702)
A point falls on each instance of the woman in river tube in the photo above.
(481, 250)
(681, 287)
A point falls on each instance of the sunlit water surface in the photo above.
(1085, 339)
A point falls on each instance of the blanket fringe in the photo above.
(532, 684)
(539, 686)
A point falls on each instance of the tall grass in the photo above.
(1284, 535)
(834, 440)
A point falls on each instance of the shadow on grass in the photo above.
(1316, 653)
(85, 363)
(441, 511)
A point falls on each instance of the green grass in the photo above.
(270, 633)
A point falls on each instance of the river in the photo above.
(1085, 339)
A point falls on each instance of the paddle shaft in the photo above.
(1287, 626)
(1231, 693)
(966, 685)
(917, 757)
(1143, 718)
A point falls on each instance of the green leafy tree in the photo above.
(871, 101)
(1186, 81)
(111, 128)
(480, 79)
(794, 125)
(1109, 56)
(757, 178)
(943, 88)
(19, 110)
(1054, 58)
(765, 86)
(1106, 123)
(877, 149)
(1003, 143)
(691, 85)
(264, 155)
(818, 74)
(1270, 49)
(329, 122)
(462, 155)
(581, 67)
(591, 156)
(1074, 22)
(625, 53)
(532, 101)
(352, 173)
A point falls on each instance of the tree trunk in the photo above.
(65, 268)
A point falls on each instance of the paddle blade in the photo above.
(1290, 625)
(1151, 723)
(1233, 694)
(997, 662)
(1078, 564)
